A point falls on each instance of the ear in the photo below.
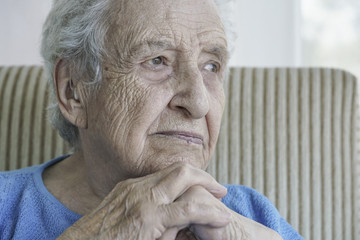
(68, 96)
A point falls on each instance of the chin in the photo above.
(158, 166)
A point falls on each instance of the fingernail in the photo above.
(221, 190)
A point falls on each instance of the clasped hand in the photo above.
(178, 202)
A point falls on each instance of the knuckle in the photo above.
(188, 209)
(182, 171)
(157, 194)
(123, 185)
(128, 188)
(144, 218)
(142, 214)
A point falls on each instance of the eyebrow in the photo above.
(219, 51)
(148, 46)
(144, 46)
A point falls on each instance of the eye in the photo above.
(156, 69)
(211, 67)
(156, 61)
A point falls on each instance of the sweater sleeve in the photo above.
(27, 209)
(251, 204)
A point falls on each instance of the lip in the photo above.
(189, 137)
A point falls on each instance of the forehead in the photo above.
(180, 22)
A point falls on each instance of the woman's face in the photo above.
(161, 98)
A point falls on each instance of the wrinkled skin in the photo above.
(144, 208)
(150, 130)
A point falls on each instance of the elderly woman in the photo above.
(139, 92)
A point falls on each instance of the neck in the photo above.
(68, 181)
(102, 172)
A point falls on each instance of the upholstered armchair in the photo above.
(290, 133)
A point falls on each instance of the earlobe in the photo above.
(69, 101)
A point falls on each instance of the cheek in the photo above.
(214, 116)
(122, 106)
(132, 109)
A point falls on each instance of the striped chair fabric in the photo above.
(290, 133)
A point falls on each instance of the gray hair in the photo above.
(76, 30)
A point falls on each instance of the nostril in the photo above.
(184, 110)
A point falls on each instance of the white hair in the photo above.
(76, 30)
(226, 11)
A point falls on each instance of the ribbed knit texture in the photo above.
(28, 210)
(26, 137)
(292, 134)
(253, 205)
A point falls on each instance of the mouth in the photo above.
(189, 137)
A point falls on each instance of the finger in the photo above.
(181, 178)
(146, 182)
(240, 227)
(181, 214)
(169, 234)
(210, 233)
(200, 194)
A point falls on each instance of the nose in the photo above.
(191, 95)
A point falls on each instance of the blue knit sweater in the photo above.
(29, 211)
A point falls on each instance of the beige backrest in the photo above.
(26, 137)
(290, 133)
